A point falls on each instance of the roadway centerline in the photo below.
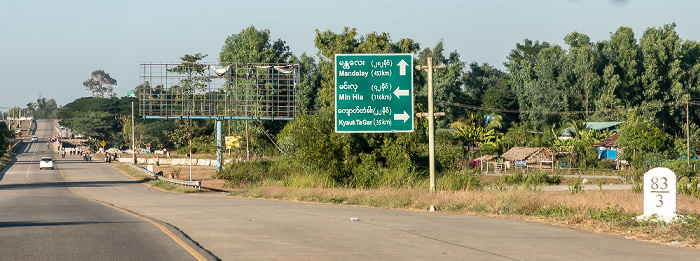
(165, 230)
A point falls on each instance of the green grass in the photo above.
(6, 159)
(538, 178)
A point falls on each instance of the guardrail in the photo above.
(194, 183)
(15, 145)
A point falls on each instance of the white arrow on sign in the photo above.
(402, 67)
(404, 116)
(398, 92)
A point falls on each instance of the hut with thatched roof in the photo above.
(533, 157)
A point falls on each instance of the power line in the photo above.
(668, 104)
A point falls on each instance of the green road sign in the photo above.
(373, 93)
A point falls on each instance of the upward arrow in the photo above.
(402, 67)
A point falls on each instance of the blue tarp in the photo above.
(607, 154)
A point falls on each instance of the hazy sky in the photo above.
(49, 48)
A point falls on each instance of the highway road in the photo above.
(40, 219)
(56, 212)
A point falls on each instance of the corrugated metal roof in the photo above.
(609, 141)
(602, 125)
(594, 125)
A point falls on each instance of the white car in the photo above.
(46, 162)
(35, 138)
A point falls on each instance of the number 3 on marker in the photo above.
(661, 200)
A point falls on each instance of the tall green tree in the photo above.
(448, 84)
(487, 86)
(311, 139)
(96, 118)
(309, 83)
(5, 134)
(582, 66)
(101, 84)
(46, 109)
(540, 83)
(253, 46)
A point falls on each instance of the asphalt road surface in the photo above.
(40, 219)
(254, 229)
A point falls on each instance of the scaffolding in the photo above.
(214, 91)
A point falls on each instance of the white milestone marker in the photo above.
(660, 194)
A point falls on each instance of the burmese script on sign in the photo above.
(374, 93)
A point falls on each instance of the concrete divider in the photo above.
(173, 161)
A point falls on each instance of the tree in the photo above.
(253, 46)
(101, 84)
(309, 83)
(311, 140)
(582, 67)
(5, 134)
(96, 117)
(541, 84)
(640, 137)
(447, 83)
(46, 109)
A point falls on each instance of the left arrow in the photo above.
(404, 116)
(398, 92)
(402, 67)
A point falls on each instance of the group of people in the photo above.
(87, 156)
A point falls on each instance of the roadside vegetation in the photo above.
(5, 158)
(159, 184)
(648, 82)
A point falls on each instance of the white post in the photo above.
(660, 194)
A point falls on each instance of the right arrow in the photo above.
(402, 67)
(398, 92)
(404, 116)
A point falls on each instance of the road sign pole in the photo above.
(431, 121)
(431, 125)
(219, 159)
(133, 141)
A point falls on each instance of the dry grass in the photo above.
(577, 210)
(610, 212)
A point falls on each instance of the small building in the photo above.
(608, 150)
(534, 157)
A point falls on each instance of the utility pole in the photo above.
(133, 140)
(431, 120)
(687, 132)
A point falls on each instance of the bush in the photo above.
(554, 211)
(689, 186)
(539, 178)
(456, 181)
(243, 173)
(681, 168)
(366, 173)
(615, 214)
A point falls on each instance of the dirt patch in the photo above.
(205, 174)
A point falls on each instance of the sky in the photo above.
(48, 48)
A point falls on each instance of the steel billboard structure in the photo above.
(214, 91)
